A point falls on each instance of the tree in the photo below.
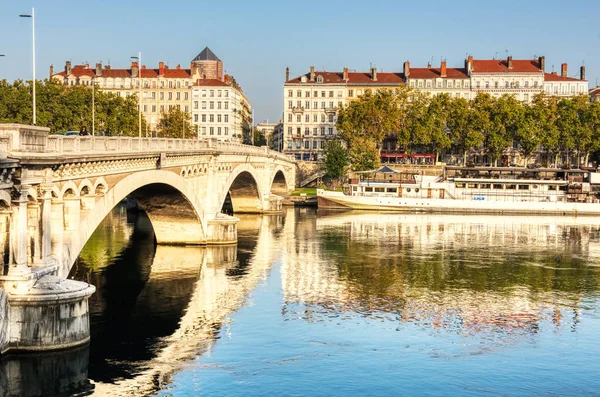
(174, 123)
(466, 124)
(364, 154)
(336, 159)
(534, 127)
(436, 122)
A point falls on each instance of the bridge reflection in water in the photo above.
(482, 282)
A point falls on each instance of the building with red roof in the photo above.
(163, 88)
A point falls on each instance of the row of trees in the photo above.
(486, 124)
(68, 108)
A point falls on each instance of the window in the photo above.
(496, 84)
(322, 118)
(204, 118)
(306, 144)
(298, 131)
(523, 187)
(315, 131)
(487, 84)
(439, 84)
(290, 130)
(289, 144)
(478, 84)
(307, 104)
(179, 84)
(330, 94)
(307, 94)
(457, 85)
(322, 105)
(187, 108)
(226, 130)
(211, 105)
(299, 104)
(218, 130)
(290, 105)
(204, 93)
(153, 108)
(196, 118)
(212, 94)
(315, 118)
(322, 94)
(226, 94)
(331, 104)
(162, 96)
(506, 84)
(219, 95)
(289, 118)
(316, 94)
(517, 84)
(331, 118)
(298, 118)
(212, 130)
(307, 131)
(298, 93)
(526, 97)
(307, 118)
(298, 143)
(211, 118)
(154, 95)
(321, 144)
(145, 108)
(339, 94)
(203, 105)
(316, 105)
(420, 84)
(526, 84)
(319, 79)
(178, 96)
(203, 130)
(535, 84)
(170, 84)
(218, 118)
(428, 84)
(226, 104)
(170, 96)
(322, 130)
(290, 93)
(330, 130)
(219, 105)
(350, 93)
(162, 108)
(315, 144)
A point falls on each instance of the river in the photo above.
(335, 304)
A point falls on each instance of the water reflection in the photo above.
(496, 278)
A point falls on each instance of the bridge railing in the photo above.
(88, 144)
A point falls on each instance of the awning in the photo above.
(393, 155)
(422, 156)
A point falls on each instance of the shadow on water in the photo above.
(143, 294)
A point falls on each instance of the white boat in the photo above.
(485, 190)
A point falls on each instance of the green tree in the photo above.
(467, 124)
(364, 154)
(436, 121)
(534, 127)
(174, 123)
(336, 159)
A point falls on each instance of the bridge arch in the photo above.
(183, 223)
(279, 183)
(243, 188)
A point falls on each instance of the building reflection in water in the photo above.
(155, 307)
(498, 278)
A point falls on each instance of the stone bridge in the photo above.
(55, 191)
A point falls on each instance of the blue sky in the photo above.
(256, 40)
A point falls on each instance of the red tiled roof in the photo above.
(176, 73)
(555, 77)
(210, 83)
(116, 73)
(497, 66)
(354, 78)
(80, 70)
(433, 73)
(149, 73)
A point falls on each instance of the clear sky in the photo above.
(256, 40)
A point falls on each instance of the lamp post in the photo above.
(139, 58)
(32, 16)
(94, 106)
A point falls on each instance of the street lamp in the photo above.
(32, 16)
(139, 58)
(94, 105)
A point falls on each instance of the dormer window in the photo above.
(319, 79)
(303, 79)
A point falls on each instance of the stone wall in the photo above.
(306, 168)
(3, 321)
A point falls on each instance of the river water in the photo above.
(336, 304)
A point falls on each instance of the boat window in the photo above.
(511, 187)
(498, 186)
(485, 186)
(380, 189)
(460, 185)
(563, 188)
(354, 188)
(408, 190)
(472, 186)
(417, 190)
(392, 190)
(551, 187)
(523, 187)
(368, 189)
(534, 186)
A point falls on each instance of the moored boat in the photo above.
(489, 190)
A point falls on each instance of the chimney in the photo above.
(443, 69)
(428, 65)
(68, 67)
(178, 67)
(134, 69)
(312, 73)
(469, 64)
(51, 70)
(161, 68)
(509, 61)
(345, 74)
(287, 74)
(563, 70)
(98, 69)
(542, 62)
(582, 72)
(406, 69)
(374, 74)
(87, 65)
(554, 73)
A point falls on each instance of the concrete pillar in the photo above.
(46, 225)
(34, 250)
(57, 222)
(19, 234)
(5, 226)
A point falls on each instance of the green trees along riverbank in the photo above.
(404, 119)
(68, 108)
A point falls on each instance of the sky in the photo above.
(257, 40)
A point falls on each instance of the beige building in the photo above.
(164, 87)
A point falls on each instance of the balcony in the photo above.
(297, 109)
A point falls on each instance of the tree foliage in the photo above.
(336, 159)
(68, 108)
(175, 123)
